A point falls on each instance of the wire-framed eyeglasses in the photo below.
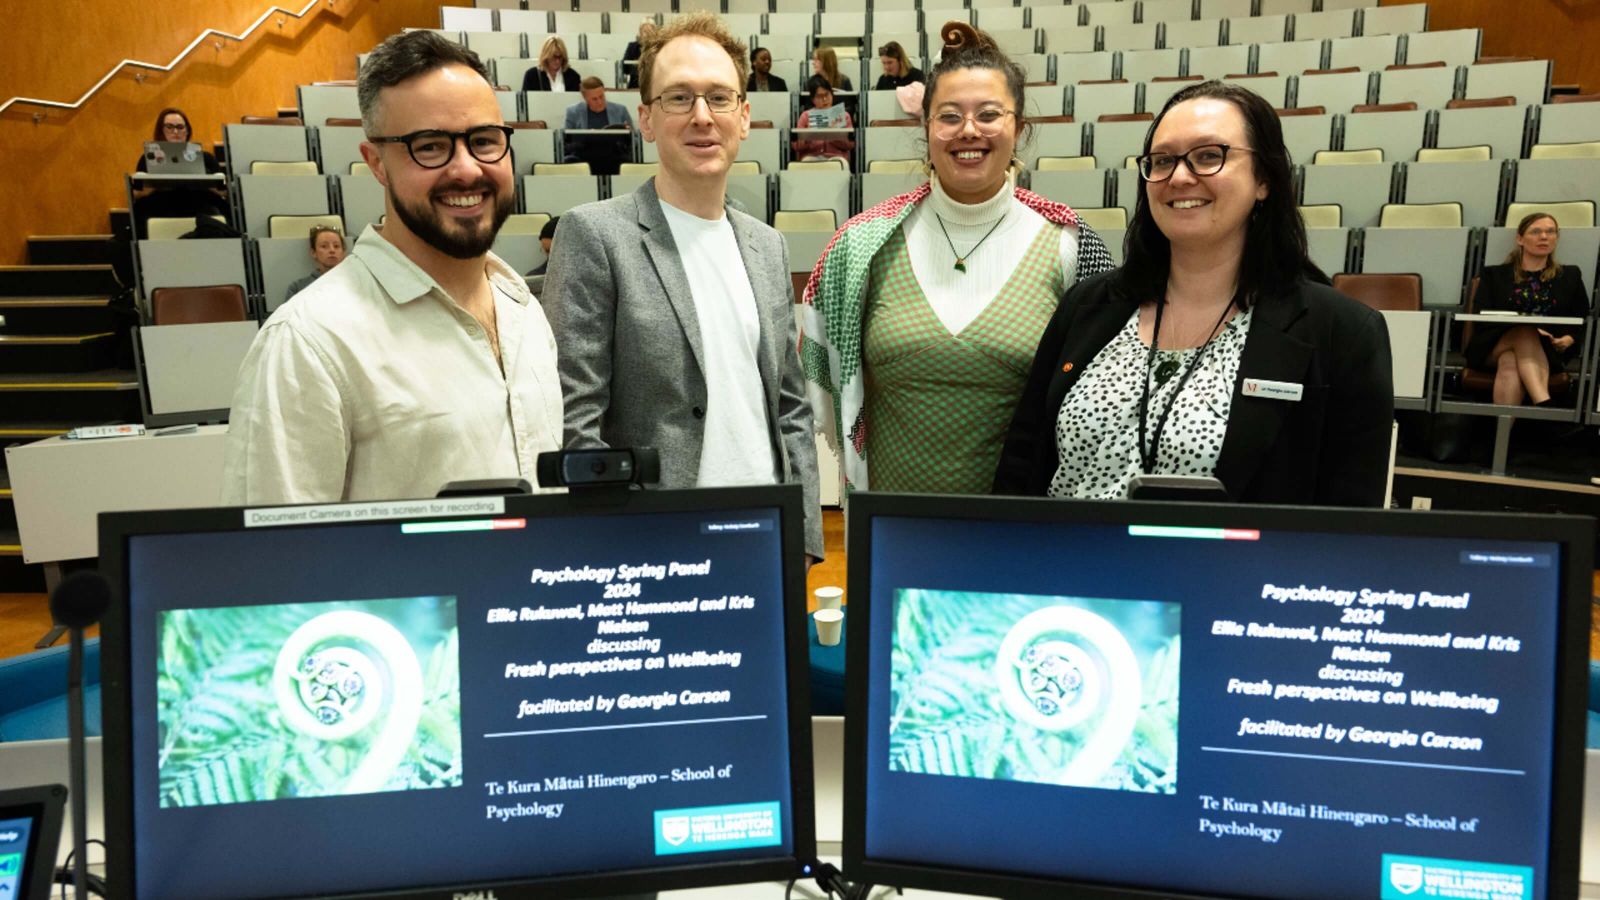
(1204, 160)
(432, 148)
(677, 101)
(987, 122)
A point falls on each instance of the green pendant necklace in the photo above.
(961, 259)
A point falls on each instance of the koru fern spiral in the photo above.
(348, 673)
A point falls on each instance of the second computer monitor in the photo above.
(1104, 699)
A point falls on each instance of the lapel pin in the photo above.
(1067, 367)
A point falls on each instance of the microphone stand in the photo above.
(78, 602)
(77, 769)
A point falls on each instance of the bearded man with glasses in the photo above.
(421, 359)
(674, 309)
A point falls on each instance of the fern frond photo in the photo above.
(293, 700)
(1073, 691)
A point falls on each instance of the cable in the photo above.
(63, 875)
(832, 882)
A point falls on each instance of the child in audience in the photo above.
(823, 114)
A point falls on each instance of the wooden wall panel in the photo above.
(1565, 31)
(62, 174)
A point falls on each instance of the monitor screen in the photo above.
(1214, 700)
(567, 693)
(30, 827)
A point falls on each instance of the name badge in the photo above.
(1273, 390)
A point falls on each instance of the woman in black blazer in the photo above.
(552, 66)
(897, 68)
(761, 77)
(1218, 349)
(1530, 282)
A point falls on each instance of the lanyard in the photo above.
(1147, 457)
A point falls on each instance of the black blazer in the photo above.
(536, 79)
(1330, 448)
(1494, 292)
(774, 84)
(889, 83)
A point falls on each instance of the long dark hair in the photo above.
(1275, 254)
(159, 135)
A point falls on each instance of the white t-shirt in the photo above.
(738, 446)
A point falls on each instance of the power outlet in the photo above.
(1422, 503)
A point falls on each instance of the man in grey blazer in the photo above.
(673, 311)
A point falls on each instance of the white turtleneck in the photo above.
(958, 297)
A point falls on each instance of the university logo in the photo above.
(675, 829)
(1405, 877)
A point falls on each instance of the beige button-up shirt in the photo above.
(372, 384)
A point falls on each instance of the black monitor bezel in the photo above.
(1575, 534)
(116, 528)
(44, 806)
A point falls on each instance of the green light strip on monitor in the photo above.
(441, 527)
(1207, 534)
(1175, 531)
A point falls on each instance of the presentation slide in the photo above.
(1229, 711)
(404, 704)
(14, 835)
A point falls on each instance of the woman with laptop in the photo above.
(171, 143)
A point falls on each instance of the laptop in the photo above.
(173, 158)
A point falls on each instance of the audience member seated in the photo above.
(897, 69)
(552, 73)
(823, 114)
(547, 236)
(631, 54)
(761, 77)
(1530, 282)
(825, 70)
(327, 250)
(157, 202)
(603, 153)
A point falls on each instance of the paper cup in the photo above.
(830, 625)
(828, 597)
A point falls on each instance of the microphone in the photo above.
(78, 602)
(80, 599)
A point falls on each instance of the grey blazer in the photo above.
(629, 348)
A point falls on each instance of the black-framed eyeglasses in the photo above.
(1206, 159)
(431, 148)
(677, 101)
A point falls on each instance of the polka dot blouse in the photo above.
(1097, 430)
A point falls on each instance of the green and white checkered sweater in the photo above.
(831, 311)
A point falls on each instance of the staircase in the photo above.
(58, 364)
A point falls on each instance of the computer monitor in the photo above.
(1087, 699)
(30, 826)
(556, 695)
